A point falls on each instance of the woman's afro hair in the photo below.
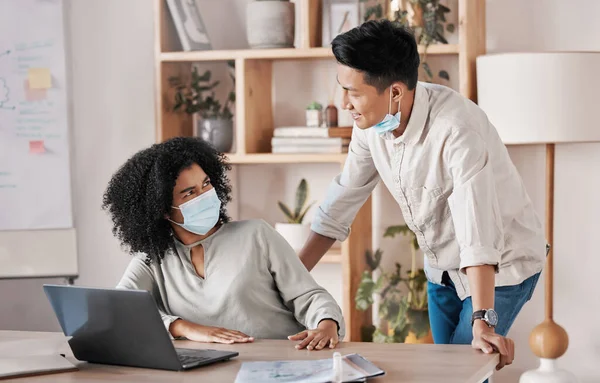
(139, 196)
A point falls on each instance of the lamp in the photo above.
(542, 98)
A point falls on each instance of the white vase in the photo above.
(271, 24)
(294, 233)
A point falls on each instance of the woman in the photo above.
(213, 280)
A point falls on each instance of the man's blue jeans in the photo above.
(450, 318)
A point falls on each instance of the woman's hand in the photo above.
(325, 334)
(207, 334)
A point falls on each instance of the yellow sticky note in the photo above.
(39, 78)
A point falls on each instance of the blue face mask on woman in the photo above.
(201, 213)
(389, 122)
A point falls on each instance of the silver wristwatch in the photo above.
(489, 316)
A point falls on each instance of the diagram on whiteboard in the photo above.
(4, 90)
(35, 185)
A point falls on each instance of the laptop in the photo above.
(121, 327)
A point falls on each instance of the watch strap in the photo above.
(479, 314)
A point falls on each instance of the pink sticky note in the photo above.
(37, 146)
(34, 94)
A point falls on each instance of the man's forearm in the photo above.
(315, 247)
(482, 284)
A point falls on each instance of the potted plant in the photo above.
(425, 18)
(214, 121)
(294, 230)
(271, 24)
(404, 317)
(314, 114)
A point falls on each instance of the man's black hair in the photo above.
(382, 50)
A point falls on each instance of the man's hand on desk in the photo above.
(199, 333)
(325, 335)
(486, 340)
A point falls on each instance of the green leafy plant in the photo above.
(427, 23)
(373, 10)
(297, 214)
(198, 96)
(401, 313)
(314, 106)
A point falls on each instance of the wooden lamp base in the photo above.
(548, 340)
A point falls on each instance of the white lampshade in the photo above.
(534, 98)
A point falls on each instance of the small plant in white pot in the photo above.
(294, 230)
(314, 114)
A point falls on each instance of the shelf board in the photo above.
(279, 54)
(276, 158)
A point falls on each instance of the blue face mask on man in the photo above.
(389, 122)
(201, 213)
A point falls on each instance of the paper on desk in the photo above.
(24, 347)
(35, 364)
(301, 371)
(25, 356)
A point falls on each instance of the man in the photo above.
(447, 168)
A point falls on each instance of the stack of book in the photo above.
(311, 140)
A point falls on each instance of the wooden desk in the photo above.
(402, 363)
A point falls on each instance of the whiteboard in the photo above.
(35, 254)
(35, 180)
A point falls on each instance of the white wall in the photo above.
(113, 78)
(112, 53)
(558, 25)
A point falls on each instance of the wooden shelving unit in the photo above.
(254, 113)
(332, 256)
(278, 54)
(270, 158)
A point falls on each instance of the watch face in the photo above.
(491, 317)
